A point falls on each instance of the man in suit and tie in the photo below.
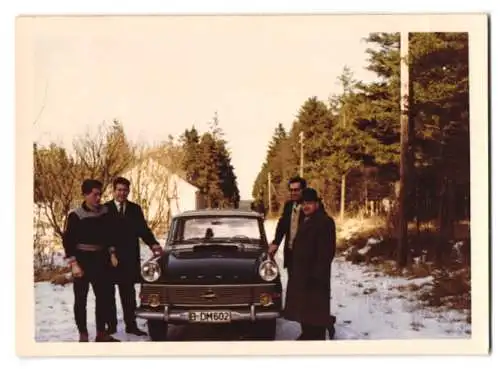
(289, 221)
(132, 225)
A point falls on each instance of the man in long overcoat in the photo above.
(308, 290)
(132, 225)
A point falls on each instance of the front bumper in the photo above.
(178, 315)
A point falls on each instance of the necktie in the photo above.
(120, 211)
(294, 224)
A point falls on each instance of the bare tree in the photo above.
(153, 184)
(105, 154)
(56, 183)
(58, 175)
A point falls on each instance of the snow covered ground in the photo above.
(367, 306)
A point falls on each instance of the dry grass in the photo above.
(412, 287)
(387, 267)
(355, 231)
(461, 229)
(50, 273)
(450, 288)
(421, 270)
(423, 245)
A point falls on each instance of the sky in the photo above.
(161, 75)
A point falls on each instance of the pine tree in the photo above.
(439, 64)
(191, 147)
(225, 170)
(276, 164)
(207, 163)
(209, 172)
(360, 133)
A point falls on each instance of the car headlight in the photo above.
(268, 270)
(151, 271)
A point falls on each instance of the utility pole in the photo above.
(269, 190)
(343, 178)
(301, 137)
(403, 163)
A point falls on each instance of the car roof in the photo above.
(219, 212)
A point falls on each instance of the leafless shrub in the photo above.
(104, 154)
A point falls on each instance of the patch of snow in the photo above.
(367, 306)
(373, 241)
(349, 251)
(364, 250)
(422, 281)
(369, 245)
(457, 250)
(385, 312)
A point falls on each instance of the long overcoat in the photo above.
(308, 290)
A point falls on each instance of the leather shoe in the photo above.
(105, 338)
(111, 330)
(136, 331)
(331, 332)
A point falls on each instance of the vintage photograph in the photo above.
(250, 178)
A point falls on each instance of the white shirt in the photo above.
(117, 204)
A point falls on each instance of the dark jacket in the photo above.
(283, 229)
(131, 227)
(84, 226)
(308, 290)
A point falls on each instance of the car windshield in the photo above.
(219, 229)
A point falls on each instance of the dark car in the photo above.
(214, 270)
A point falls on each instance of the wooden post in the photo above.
(342, 199)
(343, 178)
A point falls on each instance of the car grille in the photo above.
(205, 295)
(148, 290)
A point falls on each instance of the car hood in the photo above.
(205, 264)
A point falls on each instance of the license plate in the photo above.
(210, 316)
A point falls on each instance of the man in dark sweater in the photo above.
(88, 242)
(131, 224)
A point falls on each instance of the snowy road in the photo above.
(367, 306)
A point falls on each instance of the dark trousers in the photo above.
(289, 263)
(128, 302)
(94, 266)
(312, 333)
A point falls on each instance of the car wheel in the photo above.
(157, 330)
(264, 330)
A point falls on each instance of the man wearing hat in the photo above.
(308, 290)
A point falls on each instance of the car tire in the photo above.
(264, 330)
(158, 330)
